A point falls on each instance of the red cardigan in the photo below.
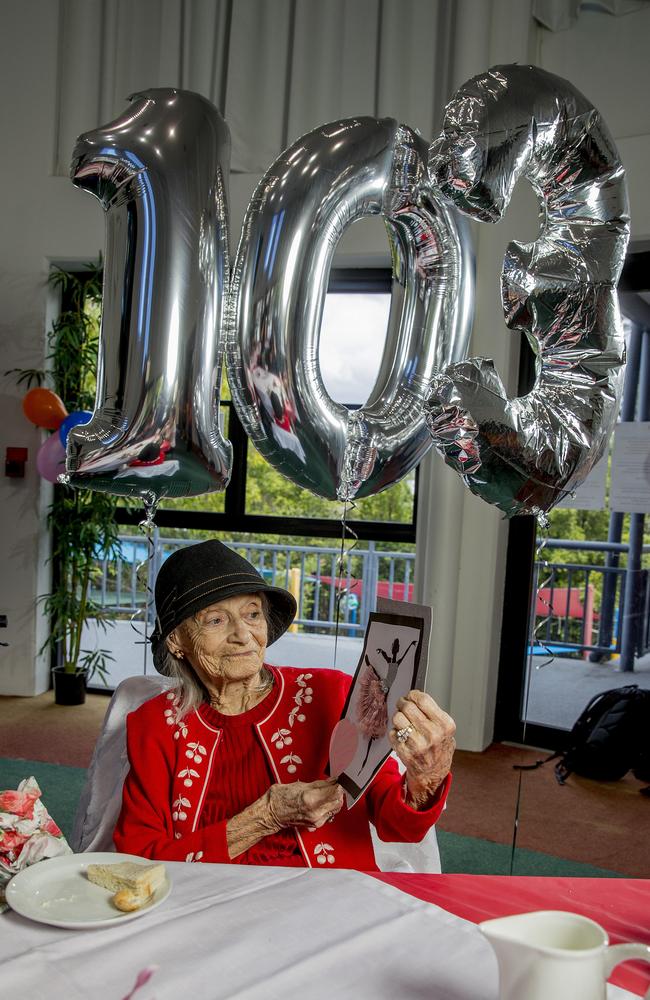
(172, 765)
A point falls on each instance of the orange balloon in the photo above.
(44, 408)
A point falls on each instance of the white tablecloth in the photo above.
(235, 931)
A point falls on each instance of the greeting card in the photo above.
(393, 661)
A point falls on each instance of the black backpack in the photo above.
(610, 737)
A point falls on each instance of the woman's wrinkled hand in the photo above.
(428, 748)
(303, 803)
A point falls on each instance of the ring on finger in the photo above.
(403, 734)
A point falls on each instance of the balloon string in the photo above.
(542, 537)
(543, 534)
(344, 555)
(147, 526)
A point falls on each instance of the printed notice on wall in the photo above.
(590, 495)
(630, 486)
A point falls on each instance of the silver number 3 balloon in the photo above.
(524, 454)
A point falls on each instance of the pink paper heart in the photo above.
(343, 746)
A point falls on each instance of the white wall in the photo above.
(461, 541)
(43, 218)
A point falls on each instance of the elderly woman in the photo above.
(230, 765)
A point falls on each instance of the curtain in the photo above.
(558, 15)
(275, 68)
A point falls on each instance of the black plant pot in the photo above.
(69, 689)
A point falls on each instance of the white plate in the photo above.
(57, 892)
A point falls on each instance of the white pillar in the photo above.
(461, 541)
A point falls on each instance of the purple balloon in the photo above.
(50, 459)
(72, 420)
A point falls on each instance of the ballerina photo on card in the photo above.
(374, 686)
(389, 667)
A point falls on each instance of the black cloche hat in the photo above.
(196, 576)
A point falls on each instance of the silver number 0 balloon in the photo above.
(525, 454)
(160, 172)
(308, 197)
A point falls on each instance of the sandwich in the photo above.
(133, 884)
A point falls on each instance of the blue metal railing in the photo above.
(569, 616)
(325, 592)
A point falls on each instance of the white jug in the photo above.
(554, 955)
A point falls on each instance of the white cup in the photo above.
(555, 955)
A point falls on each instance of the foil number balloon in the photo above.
(160, 172)
(309, 196)
(524, 454)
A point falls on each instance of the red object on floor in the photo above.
(621, 906)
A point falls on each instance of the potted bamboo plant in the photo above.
(83, 528)
(82, 521)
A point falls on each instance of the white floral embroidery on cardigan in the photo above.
(324, 853)
(170, 718)
(188, 774)
(291, 759)
(304, 692)
(193, 760)
(283, 738)
(179, 806)
(195, 752)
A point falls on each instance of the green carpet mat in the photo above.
(471, 856)
(61, 787)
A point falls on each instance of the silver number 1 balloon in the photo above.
(160, 172)
(524, 454)
(308, 197)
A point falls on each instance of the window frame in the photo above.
(509, 726)
(234, 518)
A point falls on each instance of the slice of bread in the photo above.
(140, 879)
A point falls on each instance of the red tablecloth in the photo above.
(621, 906)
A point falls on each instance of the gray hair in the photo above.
(189, 690)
